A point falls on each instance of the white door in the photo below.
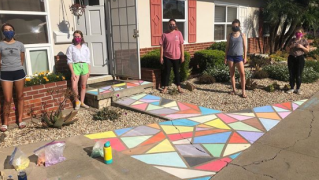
(245, 22)
(92, 24)
(124, 38)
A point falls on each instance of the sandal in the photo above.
(180, 91)
(164, 91)
(22, 125)
(244, 96)
(3, 128)
(232, 93)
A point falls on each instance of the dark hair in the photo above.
(6, 24)
(300, 29)
(176, 28)
(78, 32)
(236, 21)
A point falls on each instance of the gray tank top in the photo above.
(236, 47)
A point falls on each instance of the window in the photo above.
(175, 9)
(224, 16)
(31, 22)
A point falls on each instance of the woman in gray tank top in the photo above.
(236, 55)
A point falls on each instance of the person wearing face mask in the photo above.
(236, 55)
(172, 54)
(78, 56)
(12, 73)
(296, 60)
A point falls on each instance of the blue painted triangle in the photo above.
(163, 159)
(151, 97)
(207, 110)
(180, 122)
(157, 103)
(213, 138)
(92, 92)
(268, 123)
(234, 155)
(264, 109)
(202, 178)
(119, 132)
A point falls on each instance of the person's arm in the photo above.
(89, 63)
(161, 49)
(182, 47)
(70, 62)
(305, 47)
(245, 48)
(227, 48)
(22, 56)
(0, 60)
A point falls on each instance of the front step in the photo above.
(99, 95)
(97, 79)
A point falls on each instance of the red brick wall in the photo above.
(258, 45)
(151, 75)
(34, 96)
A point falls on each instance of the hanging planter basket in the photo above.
(77, 9)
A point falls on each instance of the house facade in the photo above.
(118, 32)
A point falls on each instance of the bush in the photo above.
(206, 79)
(309, 75)
(316, 42)
(221, 46)
(43, 78)
(258, 61)
(314, 54)
(221, 73)
(207, 59)
(106, 114)
(261, 74)
(313, 64)
(152, 60)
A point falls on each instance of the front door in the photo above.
(124, 38)
(92, 24)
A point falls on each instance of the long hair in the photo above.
(78, 32)
(176, 28)
(4, 25)
(236, 21)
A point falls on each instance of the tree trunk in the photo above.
(273, 35)
(282, 35)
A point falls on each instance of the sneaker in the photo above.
(298, 91)
(84, 106)
(290, 91)
(77, 105)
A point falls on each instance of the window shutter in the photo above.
(156, 21)
(192, 21)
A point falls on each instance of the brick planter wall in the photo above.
(151, 75)
(34, 96)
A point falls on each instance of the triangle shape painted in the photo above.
(218, 124)
(183, 141)
(137, 97)
(300, 102)
(185, 173)
(213, 138)
(138, 150)
(171, 104)
(162, 159)
(236, 139)
(132, 142)
(294, 106)
(278, 109)
(137, 102)
(284, 114)
(175, 108)
(239, 117)
(180, 129)
(254, 122)
(263, 109)
(210, 131)
(268, 116)
(141, 131)
(240, 126)
(268, 123)
(226, 119)
(245, 114)
(195, 150)
(182, 107)
(102, 135)
(281, 106)
(208, 111)
(203, 178)
(180, 122)
(151, 97)
(235, 148)
(119, 132)
(195, 161)
(178, 136)
(287, 105)
(153, 107)
(216, 165)
(165, 101)
(251, 136)
(234, 156)
(155, 139)
(157, 103)
(188, 111)
(203, 119)
(193, 106)
(164, 146)
(156, 126)
(214, 149)
(141, 107)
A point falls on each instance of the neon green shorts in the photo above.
(80, 69)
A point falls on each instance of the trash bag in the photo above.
(19, 160)
(50, 154)
(98, 150)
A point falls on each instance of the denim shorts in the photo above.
(235, 59)
(12, 75)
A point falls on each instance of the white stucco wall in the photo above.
(205, 22)
(56, 17)
(144, 23)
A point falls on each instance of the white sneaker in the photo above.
(84, 106)
(290, 91)
(77, 105)
(298, 91)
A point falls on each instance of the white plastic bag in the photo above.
(98, 150)
(19, 160)
(51, 153)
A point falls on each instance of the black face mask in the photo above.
(235, 28)
(172, 27)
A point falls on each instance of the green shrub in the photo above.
(106, 114)
(314, 54)
(261, 74)
(258, 61)
(221, 73)
(207, 59)
(316, 42)
(152, 60)
(309, 75)
(221, 46)
(313, 64)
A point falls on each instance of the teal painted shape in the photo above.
(93, 92)
(157, 103)
(202, 178)
(207, 110)
(119, 132)
(213, 138)
(263, 109)
(180, 122)
(163, 159)
(268, 123)
(145, 82)
(151, 97)
(235, 155)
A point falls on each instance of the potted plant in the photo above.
(77, 9)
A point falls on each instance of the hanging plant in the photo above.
(77, 9)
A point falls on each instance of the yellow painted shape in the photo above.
(268, 116)
(218, 124)
(164, 146)
(137, 102)
(103, 135)
(171, 104)
(203, 119)
(234, 148)
(118, 85)
(173, 130)
(246, 114)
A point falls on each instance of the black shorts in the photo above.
(12, 75)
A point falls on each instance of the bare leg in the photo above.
(75, 87)
(241, 69)
(19, 91)
(7, 87)
(84, 79)
(232, 75)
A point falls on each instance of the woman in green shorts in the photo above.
(78, 55)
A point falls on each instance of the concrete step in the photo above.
(96, 79)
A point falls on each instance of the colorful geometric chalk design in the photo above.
(193, 148)
(116, 87)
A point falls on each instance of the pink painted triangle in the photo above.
(216, 165)
(178, 116)
(239, 117)
(226, 118)
(281, 106)
(140, 106)
(294, 106)
(182, 107)
(284, 114)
